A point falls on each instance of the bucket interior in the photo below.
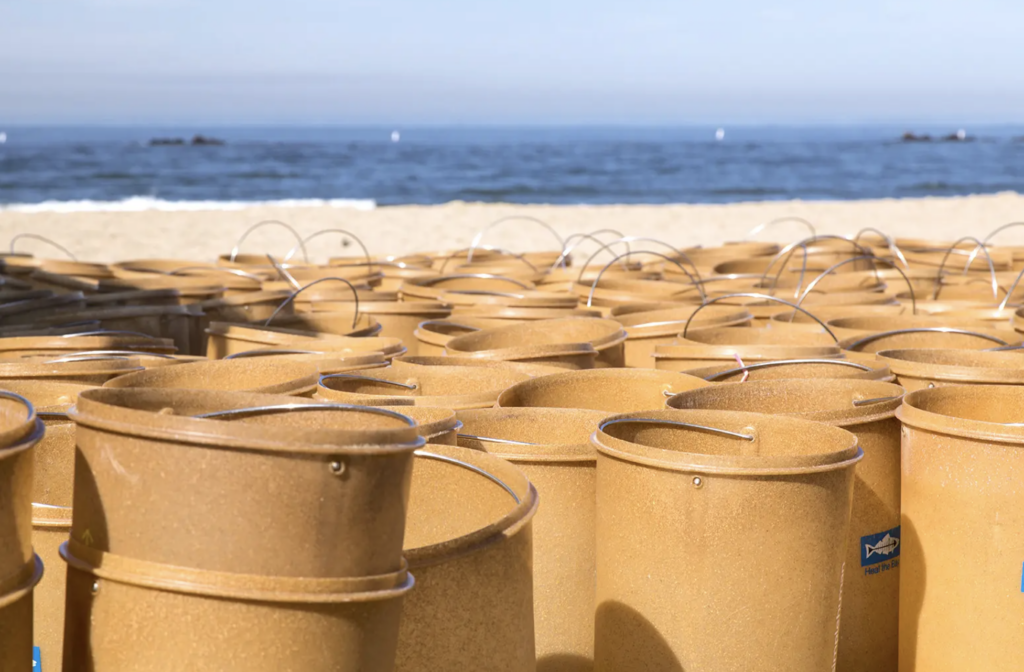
(448, 500)
(755, 336)
(795, 397)
(537, 427)
(233, 374)
(612, 390)
(560, 331)
(1003, 404)
(774, 436)
(427, 381)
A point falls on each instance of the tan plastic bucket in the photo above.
(435, 425)
(531, 370)
(77, 342)
(961, 588)
(16, 618)
(127, 614)
(708, 347)
(871, 334)
(609, 390)
(154, 482)
(20, 430)
(326, 362)
(552, 448)
(430, 289)
(454, 387)
(716, 551)
(170, 322)
(51, 527)
(247, 374)
(851, 365)
(922, 368)
(225, 339)
(649, 329)
(869, 632)
(433, 335)
(469, 544)
(53, 480)
(567, 341)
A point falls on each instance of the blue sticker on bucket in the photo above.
(1022, 579)
(37, 659)
(876, 548)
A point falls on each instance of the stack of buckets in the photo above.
(747, 458)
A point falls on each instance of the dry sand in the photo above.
(109, 236)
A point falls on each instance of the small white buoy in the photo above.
(3, 137)
(961, 134)
(720, 134)
(395, 136)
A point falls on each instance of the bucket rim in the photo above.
(26, 585)
(880, 403)
(915, 417)
(97, 410)
(523, 493)
(740, 466)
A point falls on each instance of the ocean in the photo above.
(101, 168)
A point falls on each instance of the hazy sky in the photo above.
(395, 62)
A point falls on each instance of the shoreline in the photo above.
(201, 235)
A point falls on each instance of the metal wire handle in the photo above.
(450, 323)
(991, 266)
(873, 259)
(480, 236)
(267, 222)
(593, 287)
(785, 362)
(36, 236)
(68, 359)
(781, 220)
(918, 330)
(114, 354)
(430, 282)
(568, 249)
(515, 255)
(471, 467)
(640, 239)
(216, 269)
(490, 439)
(349, 376)
(1000, 229)
(865, 402)
(1006, 299)
(112, 332)
(676, 423)
(272, 351)
(782, 267)
(291, 297)
(21, 400)
(893, 247)
(789, 249)
(283, 408)
(990, 236)
(485, 292)
(283, 272)
(366, 253)
(766, 297)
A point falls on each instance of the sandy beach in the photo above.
(202, 235)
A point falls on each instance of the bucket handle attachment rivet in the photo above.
(337, 467)
(698, 482)
(95, 587)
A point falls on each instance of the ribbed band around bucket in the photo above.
(227, 585)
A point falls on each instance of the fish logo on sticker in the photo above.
(880, 547)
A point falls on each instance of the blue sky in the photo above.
(405, 62)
